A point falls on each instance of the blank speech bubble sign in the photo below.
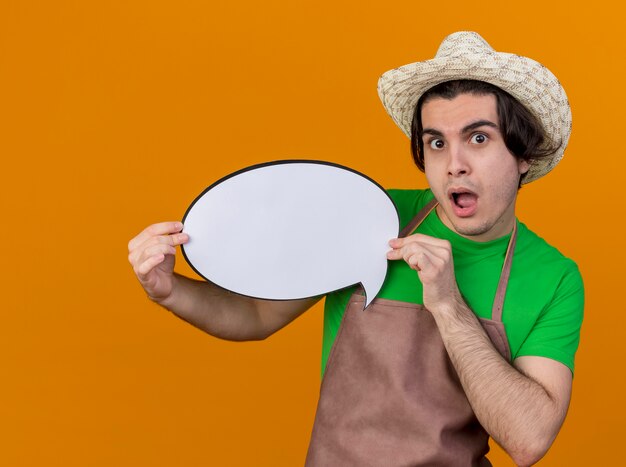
(291, 229)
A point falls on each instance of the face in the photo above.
(469, 168)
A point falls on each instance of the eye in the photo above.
(436, 144)
(478, 138)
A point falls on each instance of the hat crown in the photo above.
(463, 43)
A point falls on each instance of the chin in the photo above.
(471, 227)
(471, 230)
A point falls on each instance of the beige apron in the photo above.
(390, 395)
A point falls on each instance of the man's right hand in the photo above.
(152, 255)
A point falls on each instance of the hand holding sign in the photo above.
(290, 230)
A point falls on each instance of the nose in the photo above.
(458, 163)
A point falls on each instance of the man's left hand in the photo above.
(432, 259)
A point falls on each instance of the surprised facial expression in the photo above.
(469, 168)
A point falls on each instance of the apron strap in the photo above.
(417, 220)
(498, 302)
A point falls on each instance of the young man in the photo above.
(475, 330)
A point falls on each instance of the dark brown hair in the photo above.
(522, 133)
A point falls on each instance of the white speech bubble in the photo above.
(291, 229)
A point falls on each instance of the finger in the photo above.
(405, 251)
(419, 238)
(162, 228)
(179, 238)
(170, 240)
(435, 256)
(438, 250)
(422, 261)
(393, 255)
(148, 265)
(161, 248)
(140, 255)
(416, 261)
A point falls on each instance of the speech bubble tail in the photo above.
(371, 289)
(367, 301)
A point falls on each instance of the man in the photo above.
(475, 330)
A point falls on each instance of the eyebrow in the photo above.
(466, 129)
(478, 124)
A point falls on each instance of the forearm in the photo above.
(214, 310)
(515, 410)
(228, 315)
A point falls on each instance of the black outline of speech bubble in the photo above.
(267, 164)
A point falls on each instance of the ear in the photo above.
(522, 166)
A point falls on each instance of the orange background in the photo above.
(116, 114)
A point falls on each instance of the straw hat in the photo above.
(466, 55)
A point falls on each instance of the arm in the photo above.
(521, 406)
(208, 307)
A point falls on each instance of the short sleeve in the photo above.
(409, 202)
(556, 333)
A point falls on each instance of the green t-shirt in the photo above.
(543, 307)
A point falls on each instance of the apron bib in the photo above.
(390, 395)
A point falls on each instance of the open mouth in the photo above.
(464, 202)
